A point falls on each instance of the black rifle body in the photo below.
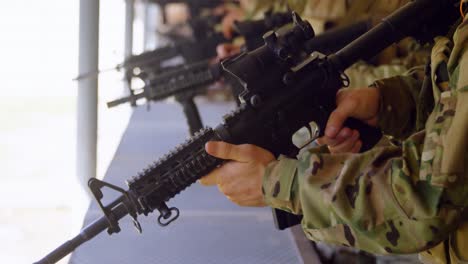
(190, 50)
(185, 82)
(199, 49)
(293, 93)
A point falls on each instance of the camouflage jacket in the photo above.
(392, 199)
(343, 12)
(317, 9)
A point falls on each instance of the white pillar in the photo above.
(87, 111)
(129, 18)
(146, 15)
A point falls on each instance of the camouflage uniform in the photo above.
(314, 9)
(392, 199)
(345, 12)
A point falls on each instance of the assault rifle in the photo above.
(196, 50)
(285, 89)
(190, 50)
(184, 83)
(188, 81)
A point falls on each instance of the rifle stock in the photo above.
(284, 91)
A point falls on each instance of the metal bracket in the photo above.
(96, 187)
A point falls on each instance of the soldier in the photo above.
(395, 60)
(391, 199)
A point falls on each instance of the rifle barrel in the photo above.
(332, 40)
(86, 234)
(394, 28)
(126, 99)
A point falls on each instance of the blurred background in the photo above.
(43, 199)
(40, 192)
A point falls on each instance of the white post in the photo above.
(128, 38)
(129, 18)
(146, 24)
(87, 111)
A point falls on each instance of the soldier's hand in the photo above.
(241, 178)
(227, 24)
(363, 104)
(347, 141)
(226, 50)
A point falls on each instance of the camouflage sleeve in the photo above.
(390, 199)
(256, 9)
(398, 109)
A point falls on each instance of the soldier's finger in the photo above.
(335, 122)
(210, 179)
(321, 141)
(227, 27)
(347, 145)
(221, 50)
(343, 135)
(250, 153)
(342, 95)
(357, 147)
(219, 149)
(226, 151)
(226, 189)
(252, 203)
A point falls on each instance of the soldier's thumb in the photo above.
(343, 111)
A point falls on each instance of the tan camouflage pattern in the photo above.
(362, 74)
(392, 200)
(406, 58)
(318, 9)
(318, 12)
(255, 9)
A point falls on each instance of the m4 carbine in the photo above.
(186, 82)
(285, 89)
(195, 50)
(190, 50)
